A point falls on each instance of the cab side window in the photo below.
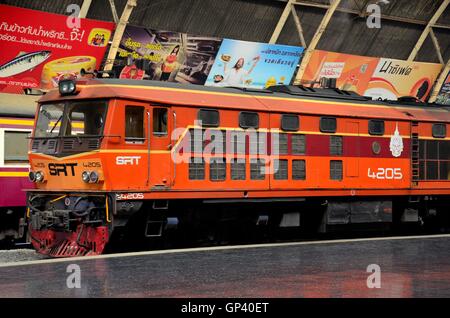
(134, 123)
(160, 121)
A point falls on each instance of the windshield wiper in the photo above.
(56, 124)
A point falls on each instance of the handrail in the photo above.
(148, 147)
(174, 164)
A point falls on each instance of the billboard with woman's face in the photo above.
(253, 65)
(148, 54)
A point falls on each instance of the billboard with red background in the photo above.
(39, 48)
(352, 72)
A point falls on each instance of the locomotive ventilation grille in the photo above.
(68, 144)
(35, 145)
(51, 145)
(93, 144)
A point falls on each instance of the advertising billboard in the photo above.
(378, 78)
(395, 78)
(39, 48)
(253, 65)
(443, 96)
(352, 72)
(148, 54)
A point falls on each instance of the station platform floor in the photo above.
(409, 267)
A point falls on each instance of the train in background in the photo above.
(110, 154)
(16, 123)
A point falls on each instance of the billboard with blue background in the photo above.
(253, 65)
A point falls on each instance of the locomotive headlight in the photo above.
(32, 176)
(91, 176)
(94, 177)
(39, 176)
(67, 87)
(86, 176)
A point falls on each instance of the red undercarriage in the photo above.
(86, 240)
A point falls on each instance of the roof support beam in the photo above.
(120, 29)
(362, 14)
(298, 26)
(315, 40)
(436, 46)
(114, 11)
(441, 26)
(281, 22)
(438, 84)
(425, 32)
(84, 8)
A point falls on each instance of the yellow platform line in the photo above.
(13, 173)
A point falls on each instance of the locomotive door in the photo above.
(160, 127)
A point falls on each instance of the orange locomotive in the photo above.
(107, 153)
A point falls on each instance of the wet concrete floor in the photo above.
(410, 267)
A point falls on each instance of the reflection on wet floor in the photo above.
(409, 268)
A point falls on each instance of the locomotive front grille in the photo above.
(94, 143)
(68, 144)
(35, 145)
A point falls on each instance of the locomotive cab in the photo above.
(86, 137)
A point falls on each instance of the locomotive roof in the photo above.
(17, 105)
(285, 99)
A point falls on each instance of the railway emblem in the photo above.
(396, 144)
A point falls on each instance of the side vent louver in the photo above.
(68, 144)
(35, 145)
(94, 144)
(51, 145)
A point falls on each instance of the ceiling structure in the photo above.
(410, 30)
(403, 22)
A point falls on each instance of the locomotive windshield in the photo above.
(49, 120)
(78, 119)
